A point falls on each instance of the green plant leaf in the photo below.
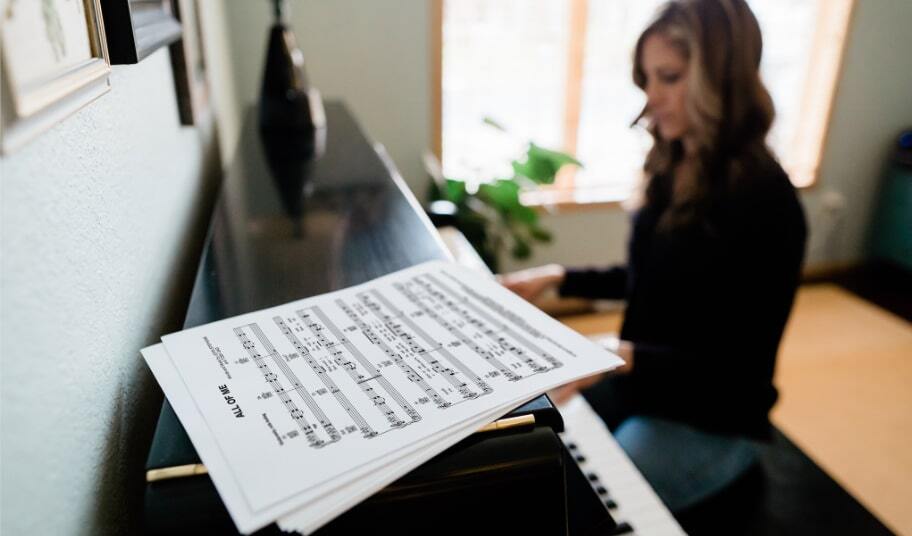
(455, 191)
(541, 165)
(433, 192)
(502, 194)
(490, 121)
(524, 214)
(493, 218)
(542, 235)
(521, 248)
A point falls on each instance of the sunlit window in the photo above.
(504, 59)
(558, 72)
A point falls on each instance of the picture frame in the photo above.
(55, 61)
(189, 64)
(137, 28)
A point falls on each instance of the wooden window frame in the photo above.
(831, 37)
(808, 142)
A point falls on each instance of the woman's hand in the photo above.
(624, 349)
(532, 282)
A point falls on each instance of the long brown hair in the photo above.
(729, 108)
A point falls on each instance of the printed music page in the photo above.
(287, 404)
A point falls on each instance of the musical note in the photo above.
(359, 374)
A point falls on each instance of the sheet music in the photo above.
(290, 404)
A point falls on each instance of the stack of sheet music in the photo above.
(303, 410)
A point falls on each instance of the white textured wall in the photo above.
(587, 237)
(374, 55)
(102, 219)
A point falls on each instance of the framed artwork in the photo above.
(188, 62)
(137, 28)
(54, 62)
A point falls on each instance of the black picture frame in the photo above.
(136, 28)
(189, 64)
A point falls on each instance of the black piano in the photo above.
(287, 227)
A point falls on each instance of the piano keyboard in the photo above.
(629, 498)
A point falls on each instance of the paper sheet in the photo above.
(354, 486)
(316, 514)
(290, 404)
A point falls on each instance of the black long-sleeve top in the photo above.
(706, 305)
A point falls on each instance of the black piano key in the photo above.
(622, 528)
(601, 490)
(571, 446)
(610, 504)
(586, 511)
(592, 477)
(579, 458)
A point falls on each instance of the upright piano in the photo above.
(287, 227)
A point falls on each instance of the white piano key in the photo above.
(637, 502)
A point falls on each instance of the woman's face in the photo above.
(666, 87)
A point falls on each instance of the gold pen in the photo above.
(192, 469)
(177, 471)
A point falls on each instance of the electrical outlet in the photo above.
(827, 223)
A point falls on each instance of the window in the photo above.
(559, 72)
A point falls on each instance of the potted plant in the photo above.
(491, 215)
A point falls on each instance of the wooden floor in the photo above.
(845, 379)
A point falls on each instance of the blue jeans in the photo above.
(684, 465)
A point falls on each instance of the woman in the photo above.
(713, 261)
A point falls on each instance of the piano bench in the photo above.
(785, 493)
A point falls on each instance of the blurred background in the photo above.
(104, 214)
(423, 76)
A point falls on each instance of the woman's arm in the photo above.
(624, 349)
(530, 283)
(592, 283)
